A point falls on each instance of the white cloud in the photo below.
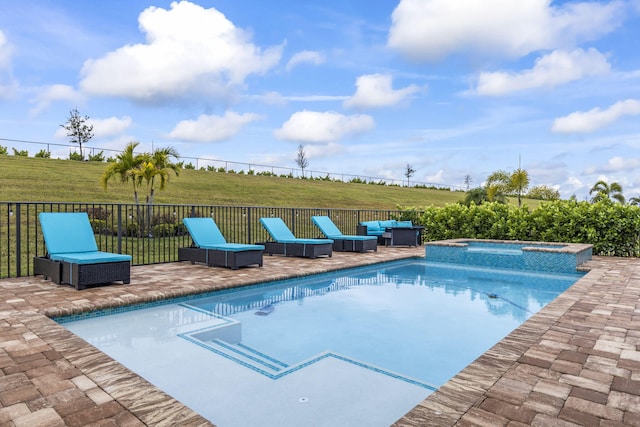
(189, 50)
(589, 121)
(103, 128)
(55, 93)
(111, 126)
(317, 98)
(5, 51)
(212, 128)
(305, 57)
(571, 186)
(553, 69)
(436, 178)
(432, 29)
(7, 85)
(375, 90)
(615, 164)
(322, 127)
(272, 98)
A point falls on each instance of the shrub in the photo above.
(612, 228)
(23, 153)
(131, 230)
(163, 230)
(3, 149)
(100, 227)
(75, 156)
(98, 213)
(44, 154)
(97, 157)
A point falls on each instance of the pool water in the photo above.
(355, 347)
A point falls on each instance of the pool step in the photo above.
(248, 356)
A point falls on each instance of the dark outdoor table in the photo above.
(403, 236)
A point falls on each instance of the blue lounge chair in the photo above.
(72, 253)
(211, 248)
(285, 243)
(344, 242)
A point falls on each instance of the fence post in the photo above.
(18, 244)
(249, 240)
(119, 228)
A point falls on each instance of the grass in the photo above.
(29, 179)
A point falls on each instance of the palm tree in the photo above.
(479, 196)
(605, 191)
(519, 181)
(497, 185)
(160, 166)
(124, 169)
(501, 183)
(635, 201)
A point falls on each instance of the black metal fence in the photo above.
(152, 234)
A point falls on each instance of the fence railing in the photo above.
(152, 234)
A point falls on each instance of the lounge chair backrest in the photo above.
(67, 232)
(204, 231)
(327, 226)
(277, 228)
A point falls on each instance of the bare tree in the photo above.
(409, 172)
(301, 159)
(78, 131)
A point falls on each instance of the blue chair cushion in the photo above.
(346, 237)
(204, 231)
(281, 233)
(307, 241)
(206, 234)
(234, 247)
(387, 224)
(327, 227)
(371, 225)
(277, 229)
(96, 257)
(67, 232)
(404, 224)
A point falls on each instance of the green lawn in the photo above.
(36, 180)
(29, 179)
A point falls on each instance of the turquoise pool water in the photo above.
(520, 256)
(355, 347)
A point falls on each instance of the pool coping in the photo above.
(576, 361)
(571, 248)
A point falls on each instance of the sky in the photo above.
(452, 88)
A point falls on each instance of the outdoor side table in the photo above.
(403, 236)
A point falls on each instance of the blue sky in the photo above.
(451, 87)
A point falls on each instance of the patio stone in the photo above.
(574, 363)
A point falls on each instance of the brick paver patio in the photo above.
(576, 362)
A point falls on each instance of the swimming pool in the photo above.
(517, 255)
(405, 328)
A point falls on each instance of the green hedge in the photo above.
(612, 228)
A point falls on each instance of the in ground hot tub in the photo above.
(534, 256)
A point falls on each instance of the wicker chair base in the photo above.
(355, 245)
(51, 270)
(82, 276)
(297, 249)
(217, 258)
